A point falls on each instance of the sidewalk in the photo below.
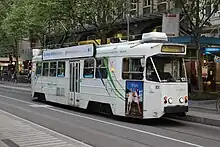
(17, 86)
(208, 117)
(17, 132)
(209, 105)
(199, 111)
(25, 85)
(203, 111)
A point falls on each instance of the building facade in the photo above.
(145, 7)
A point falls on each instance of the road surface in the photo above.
(102, 131)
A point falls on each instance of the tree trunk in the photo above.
(103, 38)
(199, 56)
(199, 63)
(16, 53)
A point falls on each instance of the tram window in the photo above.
(88, 71)
(61, 69)
(101, 69)
(150, 71)
(53, 69)
(169, 68)
(38, 68)
(45, 69)
(132, 69)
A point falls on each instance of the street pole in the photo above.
(219, 31)
(45, 42)
(218, 25)
(128, 19)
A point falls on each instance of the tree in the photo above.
(101, 14)
(7, 44)
(29, 19)
(14, 26)
(198, 14)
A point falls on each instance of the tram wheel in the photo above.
(40, 97)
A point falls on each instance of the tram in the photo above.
(142, 79)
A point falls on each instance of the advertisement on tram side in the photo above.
(134, 99)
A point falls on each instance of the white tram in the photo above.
(143, 79)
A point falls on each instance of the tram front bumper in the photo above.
(175, 109)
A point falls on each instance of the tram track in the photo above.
(165, 124)
(152, 122)
(169, 129)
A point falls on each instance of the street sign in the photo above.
(170, 25)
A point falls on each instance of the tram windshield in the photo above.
(169, 69)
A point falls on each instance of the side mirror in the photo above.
(143, 63)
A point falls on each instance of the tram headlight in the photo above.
(181, 100)
(170, 100)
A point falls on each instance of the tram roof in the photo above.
(151, 44)
(137, 49)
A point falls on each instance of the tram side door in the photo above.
(74, 82)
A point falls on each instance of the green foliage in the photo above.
(102, 14)
(37, 18)
(198, 12)
(14, 23)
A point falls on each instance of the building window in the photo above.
(101, 69)
(53, 69)
(133, 8)
(146, 7)
(147, 3)
(38, 68)
(162, 5)
(146, 11)
(45, 69)
(88, 68)
(61, 69)
(132, 69)
(133, 4)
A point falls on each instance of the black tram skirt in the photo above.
(175, 109)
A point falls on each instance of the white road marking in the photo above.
(109, 123)
(17, 88)
(40, 106)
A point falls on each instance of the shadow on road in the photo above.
(157, 122)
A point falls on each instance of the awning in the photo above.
(190, 40)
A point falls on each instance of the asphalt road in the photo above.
(102, 131)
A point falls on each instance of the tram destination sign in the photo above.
(70, 52)
(173, 49)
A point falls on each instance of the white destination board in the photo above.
(69, 52)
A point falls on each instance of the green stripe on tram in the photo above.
(111, 80)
